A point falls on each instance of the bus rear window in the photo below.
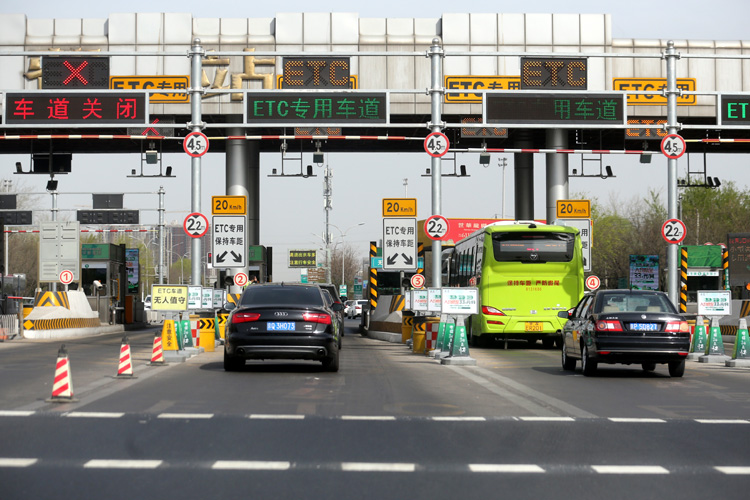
(533, 247)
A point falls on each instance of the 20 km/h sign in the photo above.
(436, 144)
(195, 144)
(673, 231)
(573, 209)
(399, 207)
(228, 205)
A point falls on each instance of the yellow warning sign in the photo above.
(399, 207)
(573, 209)
(654, 85)
(169, 297)
(466, 82)
(228, 205)
(169, 336)
(174, 82)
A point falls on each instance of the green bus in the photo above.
(526, 272)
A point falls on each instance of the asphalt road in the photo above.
(390, 424)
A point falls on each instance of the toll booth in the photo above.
(106, 264)
(704, 269)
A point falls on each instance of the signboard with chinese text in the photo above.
(478, 83)
(169, 297)
(228, 234)
(434, 300)
(303, 258)
(714, 303)
(132, 268)
(320, 107)
(207, 298)
(195, 296)
(644, 272)
(399, 244)
(461, 301)
(94, 108)
(655, 85)
(419, 300)
(584, 228)
(738, 245)
(154, 82)
(601, 109)
(735, 109)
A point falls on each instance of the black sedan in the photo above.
(282, 321)
(625, 326)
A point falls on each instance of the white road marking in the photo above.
(122, 464)
(86, 414)
(639, 420)
(186, 415)
(377, 467)
(250, 465)
(459, 419)
(259, 416)
(17, 462)
(547, 419)
(734, 471)
(367, 417)
(629, 469)
(9, 413)
(721, 421)
(505, 468)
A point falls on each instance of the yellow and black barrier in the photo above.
(52, 299)
(61, 323)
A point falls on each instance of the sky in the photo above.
(292, 215)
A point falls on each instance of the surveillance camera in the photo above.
(98, 284)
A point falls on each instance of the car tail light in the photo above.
(322, 318)
(245, 317)
(677, 326)
(608, 325)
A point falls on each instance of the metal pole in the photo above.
(327, 201)
(54, 219)
(436, 100)
(196, 124)
(673, 262)
(161, 235)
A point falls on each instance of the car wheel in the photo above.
(648, 367)
(568, 363)
(587, 364)
(332, 364)
(677, 368)
(233, 364)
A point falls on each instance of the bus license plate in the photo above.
(534, 326)
(285, 326)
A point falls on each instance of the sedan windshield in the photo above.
(282, 296)
(633, 302)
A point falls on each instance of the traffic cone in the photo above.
(157, 356)
(459, 348)
(699, 337)
(62, 387)
(125, 368)
(715, 342)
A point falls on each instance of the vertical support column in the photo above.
(557, 172)
(161, 235)
(724, 265)
(373, 286)
(524, 178)
(683, 278)
(54, 218)
(672, 250)
(196, 125)
(436, 100)
(243, 179)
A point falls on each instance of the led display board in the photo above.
(80, 108)
(553, 73)
(646, 134)
(480, 83)
(735, 109)
(303, 258)
(558, 108)
(317, 107)
(108, 216)
(316, 72)
(75, 72)
(481, 132)
(16, 217)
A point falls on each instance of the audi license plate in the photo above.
(534, 326)
(282, 326)
(644, 327)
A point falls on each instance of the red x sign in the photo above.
(75, 73)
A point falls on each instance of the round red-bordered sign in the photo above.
(436, 144)
(673, 231)
(417, 281)
(436, 227)
(593, 282)
(195, 225)
(673, 146)
(240, 279)
(66, 277)
(195, 144)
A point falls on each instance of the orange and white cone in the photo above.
(125, 368)
(62, 386)
(157, 355)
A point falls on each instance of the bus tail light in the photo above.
(492, 311)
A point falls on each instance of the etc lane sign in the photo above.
(399, 244)
(229, 237)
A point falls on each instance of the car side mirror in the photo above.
(228, 306)
(337, 306)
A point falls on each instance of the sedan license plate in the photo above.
(644, 327)
(534, 326)
(285, 326)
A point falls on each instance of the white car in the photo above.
(355, 309)
(147, 302)
(347, 305)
